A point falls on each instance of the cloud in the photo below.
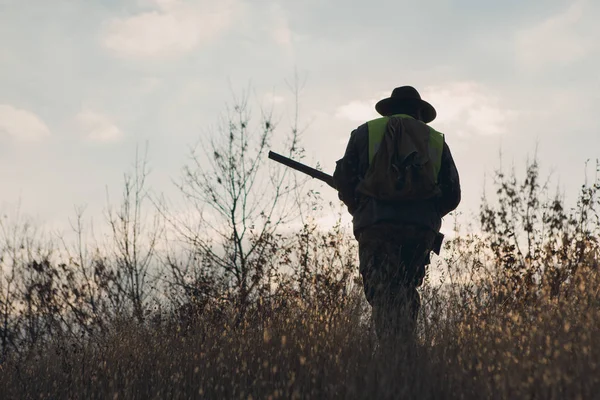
(21, 124)
(170, 29)
(97, 127)
(468, 108)
(358, 110)
(148, 84)
(464, 108)
(558, 39)
(280, 30)
(273, 99)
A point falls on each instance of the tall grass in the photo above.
(547, 350)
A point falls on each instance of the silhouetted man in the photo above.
(398, 180)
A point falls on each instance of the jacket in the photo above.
(368, 211)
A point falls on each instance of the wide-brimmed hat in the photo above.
(403, 98)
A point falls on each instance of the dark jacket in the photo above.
(368, 211)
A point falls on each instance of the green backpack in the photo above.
(404, 159)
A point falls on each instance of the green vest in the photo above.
(436, 141)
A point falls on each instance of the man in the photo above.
(398, 180)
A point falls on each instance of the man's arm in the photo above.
(449, 183)
(346, 175)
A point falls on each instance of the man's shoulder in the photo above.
(410, 121)
(436, 130)
(361, 131)
(372, 123)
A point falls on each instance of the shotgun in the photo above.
(328, 179)
(312, 172)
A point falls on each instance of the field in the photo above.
(237, 304)
(548, 349)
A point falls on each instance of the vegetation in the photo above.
(227, 302)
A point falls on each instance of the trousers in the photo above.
(393, 261)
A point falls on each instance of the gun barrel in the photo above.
(315, 173)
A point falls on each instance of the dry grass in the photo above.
(549, 349)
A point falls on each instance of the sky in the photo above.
(83, 83)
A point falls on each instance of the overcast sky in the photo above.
(82, 82)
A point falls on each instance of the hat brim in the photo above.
(391, 106)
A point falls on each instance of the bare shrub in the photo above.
(238, 203)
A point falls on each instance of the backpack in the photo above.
(406, 161)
